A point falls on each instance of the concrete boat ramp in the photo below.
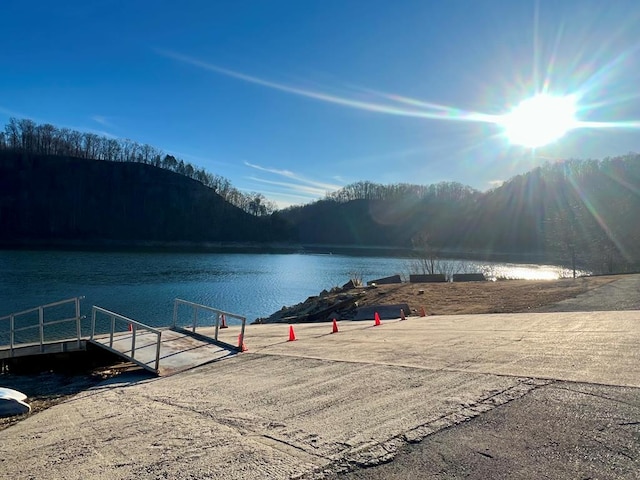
(546, 395)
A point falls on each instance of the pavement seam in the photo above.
(260, 436)
(615, 400)
(384, 451)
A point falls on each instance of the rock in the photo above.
(349, 285)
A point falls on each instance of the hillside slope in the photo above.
(58, 199)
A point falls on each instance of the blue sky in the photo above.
(296, 98)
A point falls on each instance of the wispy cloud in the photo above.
(11, 113)
(313, 192)
(296, 177)
(401, 106)
(102, 120)
(495, 183)
(287, 185)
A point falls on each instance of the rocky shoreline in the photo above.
(507, 296)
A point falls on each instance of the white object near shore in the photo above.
(12, 403)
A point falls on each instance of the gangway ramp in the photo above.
(178, 350)
(200, 337)
(47, 329)
(166, 351)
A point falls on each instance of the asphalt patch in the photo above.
(561, 431)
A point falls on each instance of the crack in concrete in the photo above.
(615, 400)
(259, 436)
(365, 456)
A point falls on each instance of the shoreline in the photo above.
(537, 258)
(455, 298)
(55, 385)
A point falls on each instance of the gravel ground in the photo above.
(622, 294)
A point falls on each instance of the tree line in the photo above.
(582, 212)
(366, 190)
(26, 136)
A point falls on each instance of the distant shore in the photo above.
(270, 248)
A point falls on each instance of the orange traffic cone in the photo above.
(241, 345)
(376, 321)
(223, 321)
(335, 326)
(402, 317)
(422, 312)
(292, 335)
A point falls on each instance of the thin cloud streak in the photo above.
(436, 112)
(313, 191)
(11, 113)
(102, 120)
(291, 175)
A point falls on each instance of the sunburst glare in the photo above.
(540, 120)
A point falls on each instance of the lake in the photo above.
(142, 286)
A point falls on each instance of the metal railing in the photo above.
(134, 328)
(41, 337)
(195, 323)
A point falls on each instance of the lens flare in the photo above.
(540, 120)
(537, 121)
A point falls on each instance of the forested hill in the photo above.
(58, 200)
(587, 211)
(63, 187)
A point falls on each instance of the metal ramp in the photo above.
(176, 352)
(165, 351)
(200, 337)
(50, 328)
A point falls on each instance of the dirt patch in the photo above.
(508, 296)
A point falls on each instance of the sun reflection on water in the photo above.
(508, 271)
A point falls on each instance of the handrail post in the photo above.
(41, 320)
(134, 328)
(215, 336)
(78, 329)
(195, 318)
(12, 327)
(241, 340)
(113, 327)
(159, 335)
(93, 323)
(175, 313)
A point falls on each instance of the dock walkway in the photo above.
(163, 351)
(180, 350)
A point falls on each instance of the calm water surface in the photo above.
(142, 286)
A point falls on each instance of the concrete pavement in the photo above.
(328, 404)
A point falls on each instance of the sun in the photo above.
(540, 120)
